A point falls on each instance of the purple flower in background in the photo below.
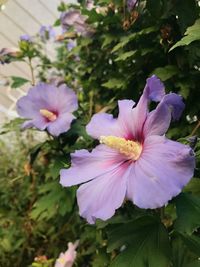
(73, 18)
(71, 44)
(131, 4)
(6, 53)
(134, 159)
(26, 38)
(46, 32)
(67, 259)
(48, 107)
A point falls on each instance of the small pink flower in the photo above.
(67, 259)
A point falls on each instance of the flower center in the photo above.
(48, 114)
(129, 148)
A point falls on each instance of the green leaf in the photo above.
(123, 41)
(145, 241)
(187, 206)
(192, 34)
(18, 81)
(125, 55)
(193, 264)
(57, 200)
(192, 242)
(166, 72)
(57, 23)
(193, 186)
(114, 83)
(108, 39)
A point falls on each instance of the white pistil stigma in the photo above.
(129, 148)
(48, 114)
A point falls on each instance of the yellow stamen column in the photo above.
(129, 148)
(48, 114)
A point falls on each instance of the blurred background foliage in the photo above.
(109, 62)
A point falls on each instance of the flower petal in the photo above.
(61, 124)
(89, 165)
(39, 122)
(67, 99)
(154, 90)
(98, 199)
(103, 124)
(26, 108)
(164, 168)
(158, 120)
(175, 102)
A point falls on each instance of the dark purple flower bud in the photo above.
(131, 4)
(46, 32)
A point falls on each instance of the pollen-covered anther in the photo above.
(48, 114)
(129, 148)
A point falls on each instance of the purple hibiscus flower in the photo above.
(134, 159)
(48, 107)
(131, 4)
(46, 32)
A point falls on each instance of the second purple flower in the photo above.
(48, 107)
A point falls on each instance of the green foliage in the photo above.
(18, 82)
(37, 216)
(192, 34)
(187, 206)
(146, 240)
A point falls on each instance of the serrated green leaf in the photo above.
(125, 55)
(18, 82)
(193, 186)
(187, 206)
(114, 83)
(51, 203)
(192, 242)
(192, 34)
(123, 41)
(166, 72)
(193, 264)
(145, 241)
(108, 39)
(57, 23)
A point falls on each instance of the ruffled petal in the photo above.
(103, 124)
(125, 113)
(158, 120)
(175, 103)
(98, 199)
(130, 121)
(89, 165)
(38, 122)
(44, 96)
(67, 99)
(163, 169)
(61, 124)
(154, 90)
(26, 108)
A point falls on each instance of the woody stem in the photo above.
(195, 129)
(32, 71)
